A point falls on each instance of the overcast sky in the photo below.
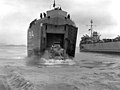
(15, 16)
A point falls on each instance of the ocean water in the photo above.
(92, 71)
(97, 60)
(12, 55)
(16, 55)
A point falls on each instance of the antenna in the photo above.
(54, 4)
(91, 27)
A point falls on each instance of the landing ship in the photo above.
(54, 32)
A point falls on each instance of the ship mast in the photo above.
(91, 27)
(54, 4)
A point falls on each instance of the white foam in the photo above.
(57, 62)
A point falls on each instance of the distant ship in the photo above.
(93, 43)
(54, 33)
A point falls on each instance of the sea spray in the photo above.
(46, 59)
(57, 61)
(36, 61)
(33, 61)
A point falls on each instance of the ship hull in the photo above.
(108, 47)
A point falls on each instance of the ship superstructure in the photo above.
(93, 43)
(54, 29)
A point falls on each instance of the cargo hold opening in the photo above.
(55, 38)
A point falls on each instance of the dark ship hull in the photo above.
(55, 28)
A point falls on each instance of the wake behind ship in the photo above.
(93, 43)
(54, 32)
